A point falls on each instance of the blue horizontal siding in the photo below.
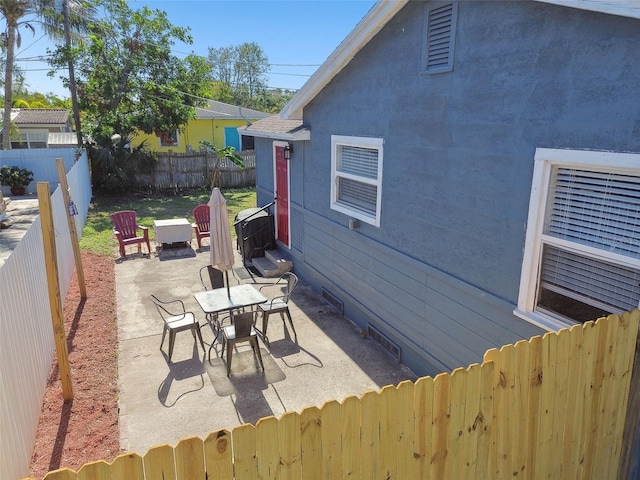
(426, 312)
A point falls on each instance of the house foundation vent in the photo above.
(388, 345)
(333, 300)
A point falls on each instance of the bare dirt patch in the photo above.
(85, 429)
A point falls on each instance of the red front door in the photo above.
(282, 196)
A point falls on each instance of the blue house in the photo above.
(459, 175)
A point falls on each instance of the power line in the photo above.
(45, 58)
(290, 74)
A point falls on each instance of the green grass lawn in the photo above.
(97, 235)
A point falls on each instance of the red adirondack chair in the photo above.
(202, 216)
(125, 228)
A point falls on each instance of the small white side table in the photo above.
(173, 230)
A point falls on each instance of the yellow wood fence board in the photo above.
(440, 432)
(632, 409)
(490, 355)
(99, 470)
(350, 420)
(268, 449)
(61, 474)
(503, 418)
(519, 410)
(189, 455)
(608, 400)
(370, 432)
(423, 417)
(563, 338)
(471, 422)
(617, 397)
(330, 432)
(570, 458)
(53, 288)
(388, 432)
(614, 392)
(593, 455)
(456, 434)
(243, 443)
(493, 356)
(218, 455)
(405, 419)
(533, 404)
(625, 352)
(289, 441)
(589, 347)
(544, 447)
(159, 463)
(127, 466)
(310, 442)
(606, 412)
(484, 421)
(625, 360)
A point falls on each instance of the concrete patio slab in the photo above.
(21, 213)
(162, 402)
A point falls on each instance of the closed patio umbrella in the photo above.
(221, 248)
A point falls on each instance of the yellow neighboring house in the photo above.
(218, 123)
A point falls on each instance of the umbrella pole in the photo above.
(226, 273)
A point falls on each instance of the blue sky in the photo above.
(297, 36)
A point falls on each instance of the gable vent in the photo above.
(439, 36)
(333, 300)
(388, 345)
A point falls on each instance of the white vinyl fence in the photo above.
(41, 161)
(26, 336)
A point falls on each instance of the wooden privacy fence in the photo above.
(551, 407)
(185, 170)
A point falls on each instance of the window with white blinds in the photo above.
(440, 21)
(598, 209)
(357, 177)
(582, 254)
(589, 280)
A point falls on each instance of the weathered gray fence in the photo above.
(187, 170)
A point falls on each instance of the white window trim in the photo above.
(363, 142)
(545, 160)
(32, 136)
(177, 144)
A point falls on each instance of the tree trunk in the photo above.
(8, 86)
(72, 75)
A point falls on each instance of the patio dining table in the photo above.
(221, 300)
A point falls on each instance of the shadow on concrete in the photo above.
(246, 374)
(170, 392)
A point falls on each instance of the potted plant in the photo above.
(15, 177)
(78, 153)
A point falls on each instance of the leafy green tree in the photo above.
(243, 69)
(127, 78)
(272, 101)
(221, 92)
(129, 81)
(22, 98)
(220, 153)
(114, 168)
(240, 78)
(23, 14)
